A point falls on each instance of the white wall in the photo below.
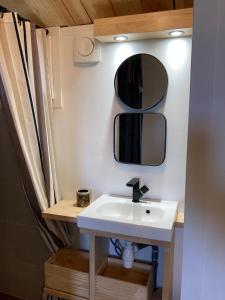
(84, 127)
(204, 233)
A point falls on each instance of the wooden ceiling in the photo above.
(47, 13)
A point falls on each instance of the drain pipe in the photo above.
(155, 257)
(127, 253)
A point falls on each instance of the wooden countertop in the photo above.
(66, 210)
(180, 220)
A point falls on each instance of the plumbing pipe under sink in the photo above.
(128, 255)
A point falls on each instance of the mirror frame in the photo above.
(165, 138)
(158, 101)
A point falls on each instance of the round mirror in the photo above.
(141, 81)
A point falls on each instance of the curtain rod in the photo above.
(4, 10)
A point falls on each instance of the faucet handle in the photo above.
(144, 189)
(133, 182)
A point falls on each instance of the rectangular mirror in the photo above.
(140, 138)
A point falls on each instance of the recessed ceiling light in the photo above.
(120, 38)
(176, 33)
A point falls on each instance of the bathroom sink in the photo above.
(117, 214)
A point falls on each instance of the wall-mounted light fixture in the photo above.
(120, 38)
(176, 33)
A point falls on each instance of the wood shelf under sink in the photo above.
(67, 271)
(113, 281)
(67, 276)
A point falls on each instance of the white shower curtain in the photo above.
(26, 95)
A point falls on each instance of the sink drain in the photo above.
(148, 211)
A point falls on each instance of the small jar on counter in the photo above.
(83, 197)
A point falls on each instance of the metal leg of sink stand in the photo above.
(168, 272)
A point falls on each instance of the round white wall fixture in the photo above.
(86, 49)
(85, 46)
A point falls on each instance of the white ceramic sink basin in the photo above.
(115, 214)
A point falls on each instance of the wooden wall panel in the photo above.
(156, 5)
(47, 13)
(127, 7)
(50, 12)
(98, 8)
(23, 9)
(77, 11)
(184, 3)
(144, 23)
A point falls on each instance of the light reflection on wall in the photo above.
(176, 53)
(123, 51)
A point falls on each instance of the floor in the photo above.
(157, 296)
(7, 297)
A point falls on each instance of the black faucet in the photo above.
(137, 191)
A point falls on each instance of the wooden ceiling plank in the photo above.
(23, 10)
(156, 5)
(42, 12)
(77, 12)
(127, 7)
(184, 3)
(51, 12)
(47, 13)
(98, 8)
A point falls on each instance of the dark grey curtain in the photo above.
(130, 138)
(129, 82)
(26, 179)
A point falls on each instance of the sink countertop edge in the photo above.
(65, 210)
